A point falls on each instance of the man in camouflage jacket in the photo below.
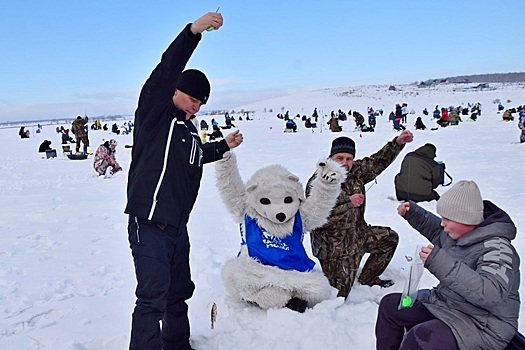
(341, 243)
(78, 128)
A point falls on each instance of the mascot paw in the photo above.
(226, 156)
(330, 171)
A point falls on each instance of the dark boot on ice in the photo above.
(297, 304)
(379, 282)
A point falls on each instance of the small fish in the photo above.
(213, 315)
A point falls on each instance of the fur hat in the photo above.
(342, 144)
(194, 83)
(462, 203)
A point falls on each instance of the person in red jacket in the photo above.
(443, 120)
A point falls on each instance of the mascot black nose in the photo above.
(281, 217)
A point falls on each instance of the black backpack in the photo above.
(442, 173)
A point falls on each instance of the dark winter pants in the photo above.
(442, 123)
(161, 256)
(85, 141)
(423, 330)
(397, 125)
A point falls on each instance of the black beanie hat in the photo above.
(342, 144)
(194, 83)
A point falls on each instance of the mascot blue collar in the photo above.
(286, 253)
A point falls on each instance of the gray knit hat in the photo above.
(462, 203)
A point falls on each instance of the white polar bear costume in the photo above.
(273, 204)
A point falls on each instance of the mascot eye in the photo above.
(288, 200)
(265, 201)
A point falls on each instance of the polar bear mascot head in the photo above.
(273, 268)
(273, 197)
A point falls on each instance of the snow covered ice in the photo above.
(66, 273)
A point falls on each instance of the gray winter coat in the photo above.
(479, 275)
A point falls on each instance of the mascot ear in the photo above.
(251, 188)
(299, 192)
(293, 177)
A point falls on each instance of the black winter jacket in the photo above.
(167, 157)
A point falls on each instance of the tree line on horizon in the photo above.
(517, 77)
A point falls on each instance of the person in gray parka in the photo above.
(419, 175)
(476, 303)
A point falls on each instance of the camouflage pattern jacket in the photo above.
(346, 223)
(104, 157)
(77, 127)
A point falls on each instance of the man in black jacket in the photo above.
(164, 179)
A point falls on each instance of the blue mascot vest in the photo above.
(286, 253)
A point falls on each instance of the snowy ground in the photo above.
(66, 272)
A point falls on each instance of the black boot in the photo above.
(297, 304)
(379, 282)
